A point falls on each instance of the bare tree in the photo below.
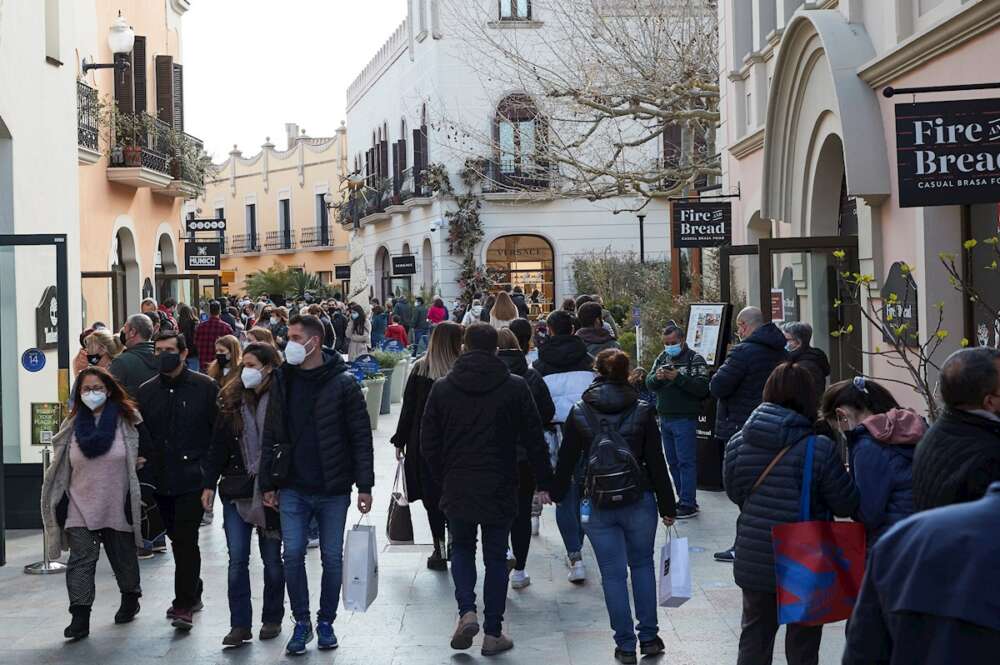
(617, 98)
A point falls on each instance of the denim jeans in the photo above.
(238, 536)
(463, 570)
(296, 511)
(680, 445)
(622, 539)
(568, 519)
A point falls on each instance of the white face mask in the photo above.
(274, 320)
(251, 377)
(94, 400)
(295, 353)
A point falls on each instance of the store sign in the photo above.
(215, 224)
(790, 295)
(404, 265)
(342, 272)
(202, 255)
(899, 307)
(696, 224)
(47, 320)
(948, 153)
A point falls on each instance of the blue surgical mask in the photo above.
(673, 350)
(789, 347)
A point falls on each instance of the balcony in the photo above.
(406, 186)
(279, 241)
(87, 124)
(513, 175)
(139, 157)
(185, 151)
(316, 237)
(244, 243)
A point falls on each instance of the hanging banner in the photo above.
(404, 265)
(202, 255)
(948, 153)
(45, 420)
(701, 224)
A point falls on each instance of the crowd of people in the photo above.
(252, 402)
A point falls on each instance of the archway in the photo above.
(383, 274)
(823, 213)
(166, 264)
(126, 268)
(527, 261)
(426, 254)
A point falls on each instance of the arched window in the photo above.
(519, 134)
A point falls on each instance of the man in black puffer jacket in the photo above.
(319, 425)
(474, 420)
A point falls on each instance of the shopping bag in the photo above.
(360, 576)
(818, 565)
(674, 574)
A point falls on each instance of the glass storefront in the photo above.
(526, 261)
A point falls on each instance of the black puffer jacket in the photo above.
(180, 416)
(739, 383)
(407, 437)
(769, 429)
(563, 353)
(342, 426)
(956, 460)
(518, 366)
(816, 362)
(473, 422)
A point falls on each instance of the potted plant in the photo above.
(387, 361)
(373, 386)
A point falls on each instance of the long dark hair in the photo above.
(116, 393)
(231, 397)
(791, 385)
(358, 325)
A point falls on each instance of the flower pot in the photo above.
(399, 381)
(373, 399)
(386, 392)
(133, 155)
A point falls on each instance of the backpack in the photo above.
(614, 477)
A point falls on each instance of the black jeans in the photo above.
(760, 623)
(438, 523)
(182, 518)
(85, 549)
(520, 529)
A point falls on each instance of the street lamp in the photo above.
(642, 238)
(121, 39)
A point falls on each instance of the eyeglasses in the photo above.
(92, 389)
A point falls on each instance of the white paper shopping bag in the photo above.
(360, 577)
(673, 578)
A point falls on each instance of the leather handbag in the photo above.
(399, 525)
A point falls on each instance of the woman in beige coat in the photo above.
(91, 496)
(359, 333)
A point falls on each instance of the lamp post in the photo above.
(642, 238)
(121, 39)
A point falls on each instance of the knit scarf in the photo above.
(252, 509)
(95, 439)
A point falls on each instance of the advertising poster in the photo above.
(45, 420)
(705, 330)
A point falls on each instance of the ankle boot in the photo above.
(129, 608)
(79, 627)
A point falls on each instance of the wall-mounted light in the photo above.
(121, 39)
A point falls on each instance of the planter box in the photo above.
(399, 381)
(385, 406)
(373, 400)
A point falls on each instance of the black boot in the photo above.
(79, 628)
(128, 609)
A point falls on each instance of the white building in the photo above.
(416, 104)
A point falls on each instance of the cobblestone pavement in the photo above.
(552, 621)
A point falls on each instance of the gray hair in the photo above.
(752, 316)
(142, 326)
(968, 376)
(148, 301)
(802, 332)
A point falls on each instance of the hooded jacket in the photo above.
(739, 383)
(568, 370)
(473, 315)
(816, 362)
(956, 460)
(769, 429)
(881, 452)
(597, 340)
(134, 366)
(475, 419)
(404, 311)
(521, 304)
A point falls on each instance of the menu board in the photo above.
(704, 333)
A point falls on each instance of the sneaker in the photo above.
(436, 562)
(313, 543)
(183, 619)
(536, 523)
(627, 657)
(652, 647)
(577, 571)
(144, 553)
(198, 607)
(327, 638)
(237, 637)
(726, 556)
(160, 546)
(207, 518)
(301, 636)
(686, 512)
(494, 645)
(269, 631)
(519, 579)
(467, 628)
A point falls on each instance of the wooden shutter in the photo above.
(139, 73)
(672, 141)
(396, 173)
(418, 160)
(384, 156)
(402, 155)
(178, 97)
(124, 92)
(165, 88)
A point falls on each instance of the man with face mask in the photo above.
(318, 421)
(136, 364)
(680, 380)
(179, 408)
(208, 332)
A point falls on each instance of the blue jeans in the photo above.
(238, 536)
(680, 445)
(622, 539)
(463, 570)
(568, 518)
(296, 512)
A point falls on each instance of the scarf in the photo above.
(252, 510)
(95, 439)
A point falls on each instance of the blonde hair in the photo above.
(111, 344)
(281, 313)
(231, 344)
(262, 335)
(443, 350)
(504, 308)
(507, 340)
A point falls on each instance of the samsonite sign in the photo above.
(948, 153)
(698, 224)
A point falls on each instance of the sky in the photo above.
(250, 66)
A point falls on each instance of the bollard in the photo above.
(45, 567)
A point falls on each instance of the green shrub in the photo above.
(627, 341)
(388, 359)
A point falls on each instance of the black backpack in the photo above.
(614, 477)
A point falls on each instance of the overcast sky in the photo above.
(250, 66)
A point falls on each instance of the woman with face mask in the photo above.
(228, 352)
(277, 323)
(235, 457)
(359, 333)
(90, 495)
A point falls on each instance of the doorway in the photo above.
(193, 289)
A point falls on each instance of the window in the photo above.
(251, 226)
(325, 277)
(322, 232)
(515, 10)
(518, 132)
(52, 54)
(285, 223)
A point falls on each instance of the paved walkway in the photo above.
(552, 622)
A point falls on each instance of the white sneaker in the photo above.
(519, 579)
(312, 543)
(536, 523)
(577, 572)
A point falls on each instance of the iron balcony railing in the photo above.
(147, 145)
(87, 116)
(316, 236)
(275, 241)
(244, 243)
(406, 186)
(510, 174)
(185, 168)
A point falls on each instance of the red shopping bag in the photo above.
(818, 565)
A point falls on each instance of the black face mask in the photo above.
(93, 358)
(169, 362)
(222, 359)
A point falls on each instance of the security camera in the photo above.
(434, 227)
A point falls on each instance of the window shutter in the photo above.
(418, 160)
(165, 88)
(139, 73)
(123, 85)
(402, 155)
(396, 174)
(384, 156)
(178, 97)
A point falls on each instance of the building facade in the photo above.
(409, 113)
(276, 211)
(824, 160)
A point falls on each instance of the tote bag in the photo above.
(360, 575)
(818, 565)
(399, 524)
